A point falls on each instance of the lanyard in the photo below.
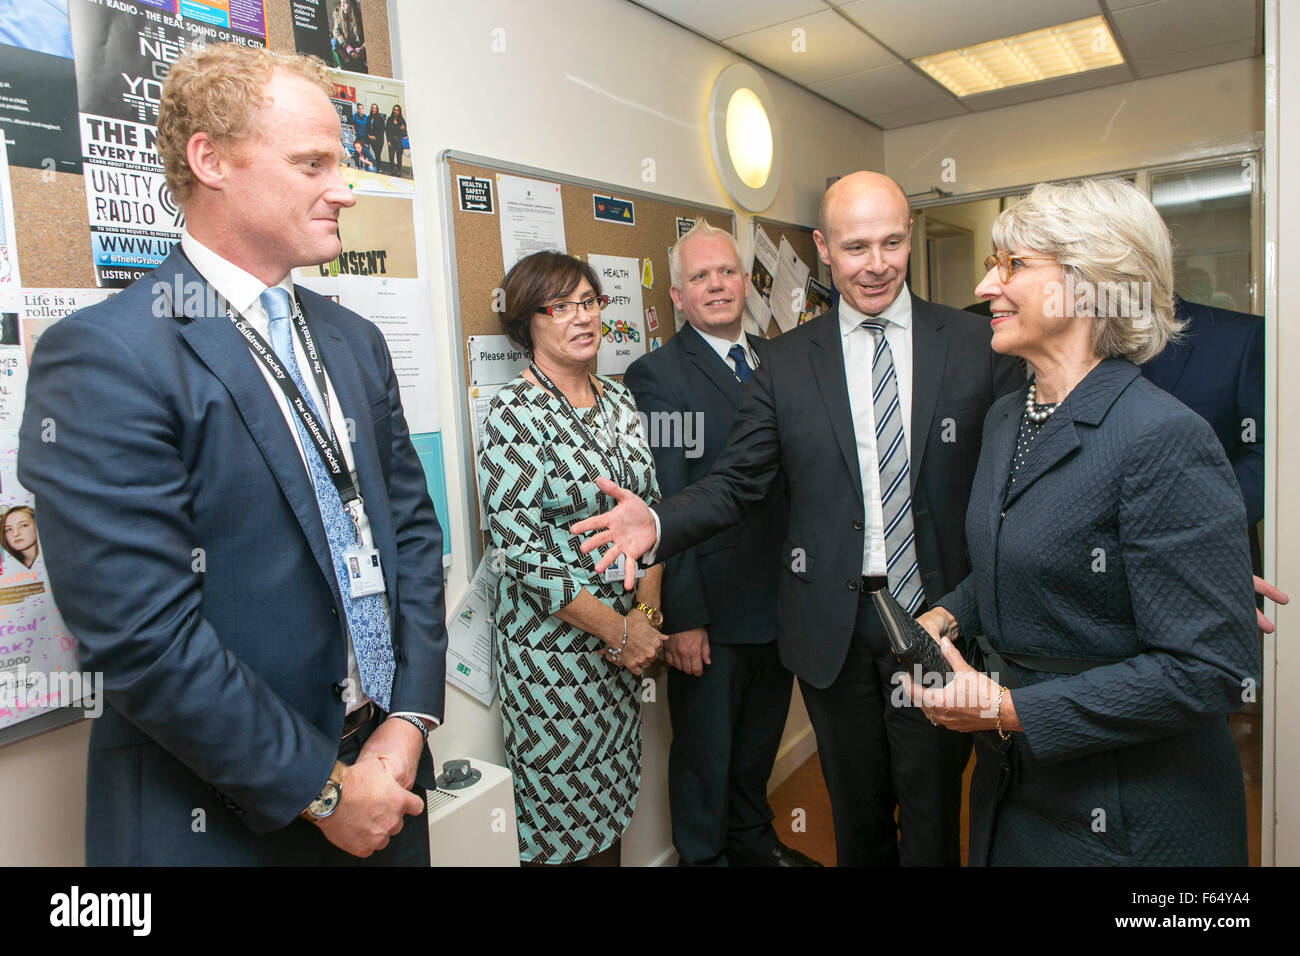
(323, 439)
(546, 383)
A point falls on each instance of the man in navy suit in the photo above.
(1217, 370)
(210, 450)
(727, 691)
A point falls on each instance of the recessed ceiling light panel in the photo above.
(1025, 58)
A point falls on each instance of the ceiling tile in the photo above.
(1171, 26)
(913, 28)
(886, 89)
(1191, 59)
(830, 47)
(914, 115)
(1049, 88)
(724, 18)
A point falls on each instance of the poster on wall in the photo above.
(10, 279)
(333, 30)
(376, 137)
(532, 217)
(38, 86)
(122, 54)
(622, 338)
(38, 655)
(37, 309)
(378, 236)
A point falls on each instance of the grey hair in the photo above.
(699, 230)
(1106, 234)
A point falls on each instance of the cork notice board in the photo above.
(474, 243)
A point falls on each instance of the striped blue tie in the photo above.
(367, 622)
(895, 483)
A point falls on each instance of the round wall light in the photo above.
(744, 137)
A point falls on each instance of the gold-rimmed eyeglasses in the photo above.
(1005, 261)
(567, 310)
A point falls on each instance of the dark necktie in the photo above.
(737, 355)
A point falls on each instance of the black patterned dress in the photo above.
(572, 720)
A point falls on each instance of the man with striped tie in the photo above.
(874, 412)
(232, 513)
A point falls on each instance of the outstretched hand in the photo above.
(628, 528)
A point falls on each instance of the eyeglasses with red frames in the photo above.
(1005, 261)
(567, 310)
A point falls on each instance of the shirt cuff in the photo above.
(432, 721)
(648, 559)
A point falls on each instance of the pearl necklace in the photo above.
(1032, 413)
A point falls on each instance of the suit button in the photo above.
(857, 524)
(853, 585)
(335, 612)
(1004, 514)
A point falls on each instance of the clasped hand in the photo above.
(643, 643)
(376, 791)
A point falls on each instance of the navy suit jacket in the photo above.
(186, 549)
(1218, 372)
(1121, 542)
(726, 584)
(796, 419)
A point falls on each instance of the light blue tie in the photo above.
(367, 622)
(895, 483)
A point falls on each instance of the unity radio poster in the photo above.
(122, 52)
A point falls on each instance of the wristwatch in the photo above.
(329, 798)
(656, 616)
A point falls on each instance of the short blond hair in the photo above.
(215, 89)
(1104, 232)
(700, 230)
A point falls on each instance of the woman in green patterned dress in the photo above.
(570, 645)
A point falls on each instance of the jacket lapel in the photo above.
(1086, 405)
(345, 375)
(929, 356)
(703, 357)
(212, 337)
(826, 356)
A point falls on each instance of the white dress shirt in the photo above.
(859, 352)
(242, 292)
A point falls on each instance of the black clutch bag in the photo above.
(913, 646)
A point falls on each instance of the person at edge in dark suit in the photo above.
(1110, 563)
(1217, 370)
(874, 413)
(727, 691)
(249, 685)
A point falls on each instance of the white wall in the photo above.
(1169, 118)
(1282, 442)
(589, 88)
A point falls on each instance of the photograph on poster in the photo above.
(332, 30)
(38, 111)
(372, 119)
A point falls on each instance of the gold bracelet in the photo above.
(997, 714)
